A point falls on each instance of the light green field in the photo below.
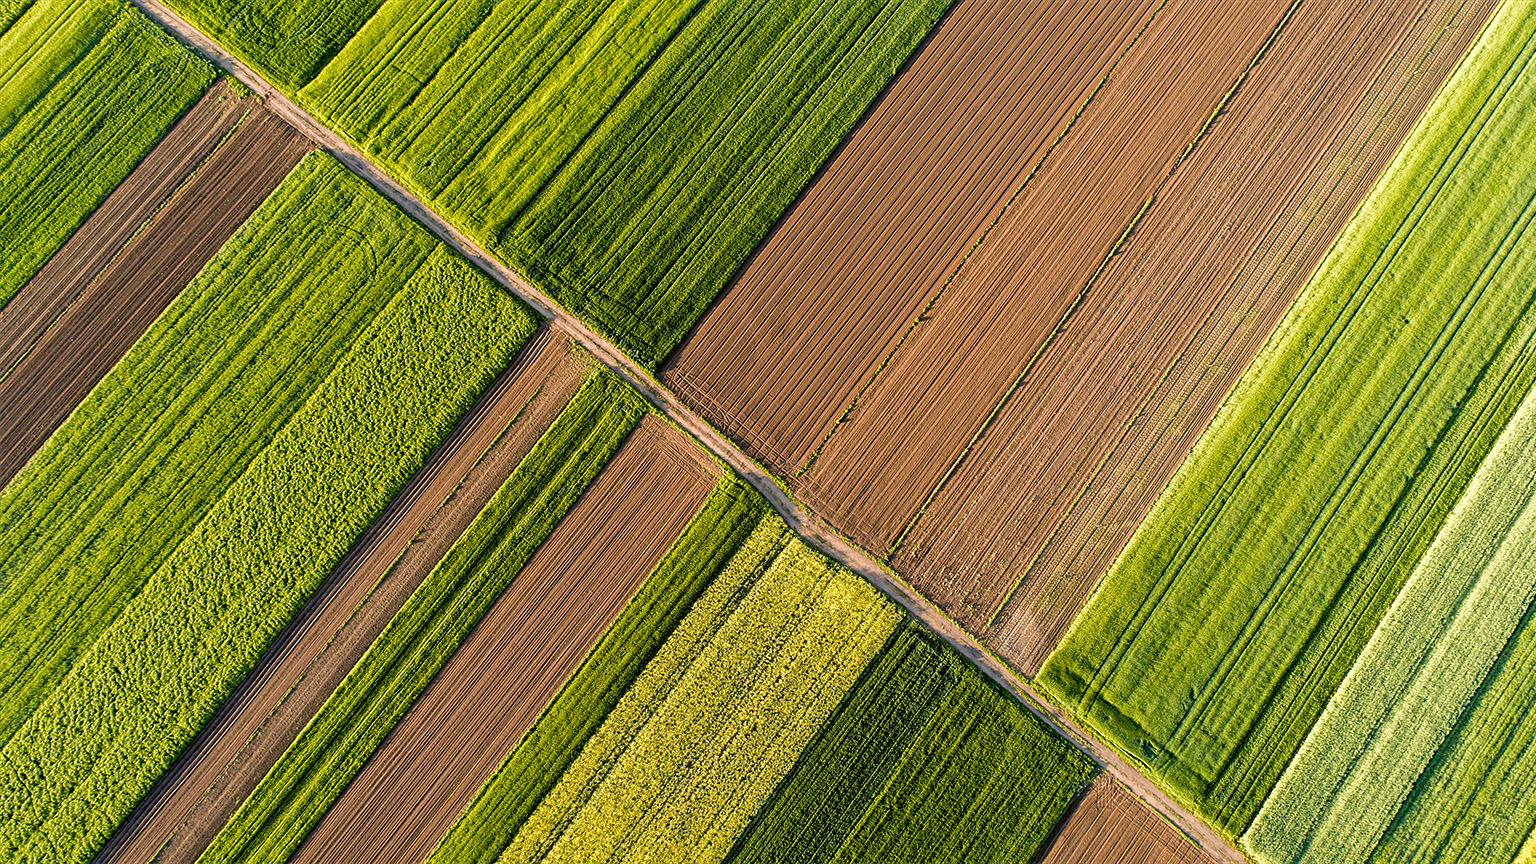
(86, 89)
(712, 537)
(328, 753)
(925, 760)
(1249, 591)
(136, 695)
(719, 715)
(627, 156)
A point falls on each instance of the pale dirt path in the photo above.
(811, 528)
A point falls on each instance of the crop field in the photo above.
(134, 698)
(1392, 747)
(65, 139)
(335, 745)
(1234, 613)
(306, 662)
(1108, 824)
(136, 252)
(632, 205)
(924, 760)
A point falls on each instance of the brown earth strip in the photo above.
(303, 665)
(519, 655)
(1014, 540)
(832, 290)
(97, 295)
(1109, 825)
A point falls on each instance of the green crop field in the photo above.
(712, 537)
(314, 770)
(134, 697)
(627, 156)
(1237, 608)
(160, 440)
(1402, 703)
(720, 713)
(925, 760)
(86, 89)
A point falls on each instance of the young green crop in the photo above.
(328, 753)
(1247, 593)
(287, 41)
(160, 439)
(925, 760)
(721, 526)
(117, 720)
(720, 713)
(86, 89)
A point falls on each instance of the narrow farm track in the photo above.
(1013, 540)
(1109, 825)
(490, 692)
(832, 290)
(191, 803)
(97, 295)
(811, 528)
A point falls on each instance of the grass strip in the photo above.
(335, 744)
(161, 438)
(116, 722)
(489, 823)
(1234, 613)
(85, 92)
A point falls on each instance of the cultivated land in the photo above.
(313, 772)
(1003, 453)
(235, 750)
(696, 126)
(925, 760)
(82, 311)
(520, 654)
(1239, 605)
(115, 722)
(1413, 745)
(809, 318)
(1109, 825)
(65, 139)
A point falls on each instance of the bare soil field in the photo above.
(190, 804)
(97, 295)
(1017, 535)
(1109, 825)
(520, 654)
(832, 290)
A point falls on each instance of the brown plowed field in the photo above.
(1020, 428)
(826, 298)
(191, 803)
(1109, 825)
(516, 659)
(1017, 536)
(72, 322)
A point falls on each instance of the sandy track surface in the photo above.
(516, 659)
(1109, 825)
(191, 803)
(72, 322)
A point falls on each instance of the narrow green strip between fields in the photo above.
(314, 771)
(721, 526)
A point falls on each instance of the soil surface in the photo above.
(1109, 825)
(517, 658)
(82, 311)
(305, 663)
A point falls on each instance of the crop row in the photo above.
(426, 631)
(67, 138)
(1235, 612)
(627, 156)
(129, 700)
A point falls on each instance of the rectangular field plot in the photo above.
(1109, 824)
(184, 513)
(1247, 594)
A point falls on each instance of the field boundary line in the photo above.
(808, 526)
